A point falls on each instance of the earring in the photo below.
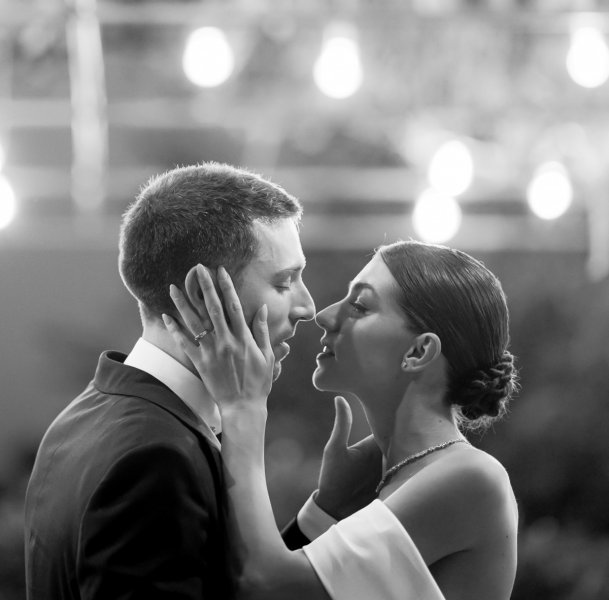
(406, 363)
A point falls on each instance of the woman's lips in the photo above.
(325, 353)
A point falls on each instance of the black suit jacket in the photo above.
(293, 537)
(125, 501)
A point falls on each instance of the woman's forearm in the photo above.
(243, 457)
(268, 568)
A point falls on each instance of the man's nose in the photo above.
(304, 307)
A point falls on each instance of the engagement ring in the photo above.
(201, 335)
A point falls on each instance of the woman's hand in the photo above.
(349, 474)
(235, 364)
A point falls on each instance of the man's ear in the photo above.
(426, 348)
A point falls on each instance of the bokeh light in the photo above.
(436, 216)
(588, 58)
(8, 202)
(550, 192)
(208, 59)
(451, 169)
(338, 71)
(355, 108)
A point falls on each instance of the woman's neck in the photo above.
(421, 419)
(417, 427)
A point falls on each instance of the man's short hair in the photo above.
(195, 214)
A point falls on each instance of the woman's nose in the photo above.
(326, 318)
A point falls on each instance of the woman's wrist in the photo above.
(250, 409)
(243, 422)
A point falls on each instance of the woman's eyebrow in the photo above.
(356, 287)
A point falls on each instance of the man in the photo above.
(126, 498)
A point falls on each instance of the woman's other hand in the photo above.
(349, 474)
(235, 364)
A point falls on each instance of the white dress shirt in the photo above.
(184, 384)
(313, 520)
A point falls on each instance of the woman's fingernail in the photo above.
(264, 312)
(166, 319)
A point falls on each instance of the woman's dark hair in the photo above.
(449, 293)
(197, 214)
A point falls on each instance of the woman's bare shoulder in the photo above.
(472, 472)
(455, 503)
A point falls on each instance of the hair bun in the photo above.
(486, 392)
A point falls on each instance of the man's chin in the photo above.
(276, 370)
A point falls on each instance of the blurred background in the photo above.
(482, 125)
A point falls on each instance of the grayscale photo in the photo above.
(304, 300)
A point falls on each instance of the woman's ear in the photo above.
(425, 350)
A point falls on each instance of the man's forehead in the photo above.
(279, 246)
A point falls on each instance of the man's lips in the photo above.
(281, 350)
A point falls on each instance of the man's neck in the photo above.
(157, 335)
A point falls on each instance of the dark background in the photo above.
(493, 72)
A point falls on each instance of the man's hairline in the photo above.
(148, 313)
(295, 218)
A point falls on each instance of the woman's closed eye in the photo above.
(358, 307)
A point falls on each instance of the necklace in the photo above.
(412, 458)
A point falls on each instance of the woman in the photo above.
(421, 340)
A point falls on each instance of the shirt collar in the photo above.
(188, 387)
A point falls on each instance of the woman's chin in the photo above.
(318, 380)
(322, 381)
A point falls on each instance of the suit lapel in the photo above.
(114, 377)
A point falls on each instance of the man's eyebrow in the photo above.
(355, 287)
(291, 270)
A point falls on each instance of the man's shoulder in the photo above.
(110, 424)
(107, 437)
(133, 412)
(124, 419)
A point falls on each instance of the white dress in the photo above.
(370, 556)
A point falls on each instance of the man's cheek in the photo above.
(274, 329)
